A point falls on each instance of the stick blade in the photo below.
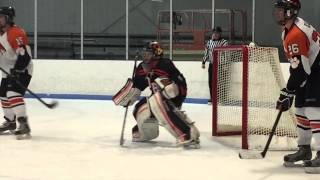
(250, 155)
(52, 105)
(121, 142)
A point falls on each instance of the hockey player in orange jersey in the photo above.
(15, 58)
(301, 45)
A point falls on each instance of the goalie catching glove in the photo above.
(168, 88)
(285, 100)
(127, 95)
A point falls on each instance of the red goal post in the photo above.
(246, 84)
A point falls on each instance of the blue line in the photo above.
(101, 97)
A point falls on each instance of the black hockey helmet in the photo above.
(155, 48)
(9, 12)
(291, 7)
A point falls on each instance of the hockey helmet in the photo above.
(9, 12)
(155, 48)
(290, 7)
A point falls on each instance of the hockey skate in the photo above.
(303, 154)
(8, 125)
(313, 166)
(23, 131)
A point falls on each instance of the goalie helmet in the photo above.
(291, 9)
(9, 12)
(155, 48)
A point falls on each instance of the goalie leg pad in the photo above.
(127, 94)
(176, 123)
(148, 127)
(194, 132)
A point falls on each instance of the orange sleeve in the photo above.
(17, 37)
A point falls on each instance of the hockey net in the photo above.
(246, 84)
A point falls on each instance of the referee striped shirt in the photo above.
(211, 44)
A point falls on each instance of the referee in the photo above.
(215, 41)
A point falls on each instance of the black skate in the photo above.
(8, 125)
(313, 166)
(303, 154)
(23, 131)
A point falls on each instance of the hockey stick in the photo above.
(48, 105)
(126, 111)
(256, 155)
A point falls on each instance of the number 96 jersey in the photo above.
(301, 44)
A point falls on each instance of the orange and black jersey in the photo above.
(302, 45)
(160, 68)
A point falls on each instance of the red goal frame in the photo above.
(245, 75)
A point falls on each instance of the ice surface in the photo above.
(79, 140)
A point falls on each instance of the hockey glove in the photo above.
(285, 100)
(15, 74)
(168, 88)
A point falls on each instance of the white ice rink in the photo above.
(79, 140)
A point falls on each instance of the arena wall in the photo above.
(96, 79)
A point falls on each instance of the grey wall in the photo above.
(108, 15)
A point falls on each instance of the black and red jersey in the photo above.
(159, 68)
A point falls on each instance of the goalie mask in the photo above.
(8, 13)
(286, 10)
(152, 51)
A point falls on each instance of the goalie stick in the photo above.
(48, 105)
(261, 155)
(121, 141)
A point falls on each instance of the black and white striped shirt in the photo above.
(211, 44)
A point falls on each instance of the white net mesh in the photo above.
(264, 83)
